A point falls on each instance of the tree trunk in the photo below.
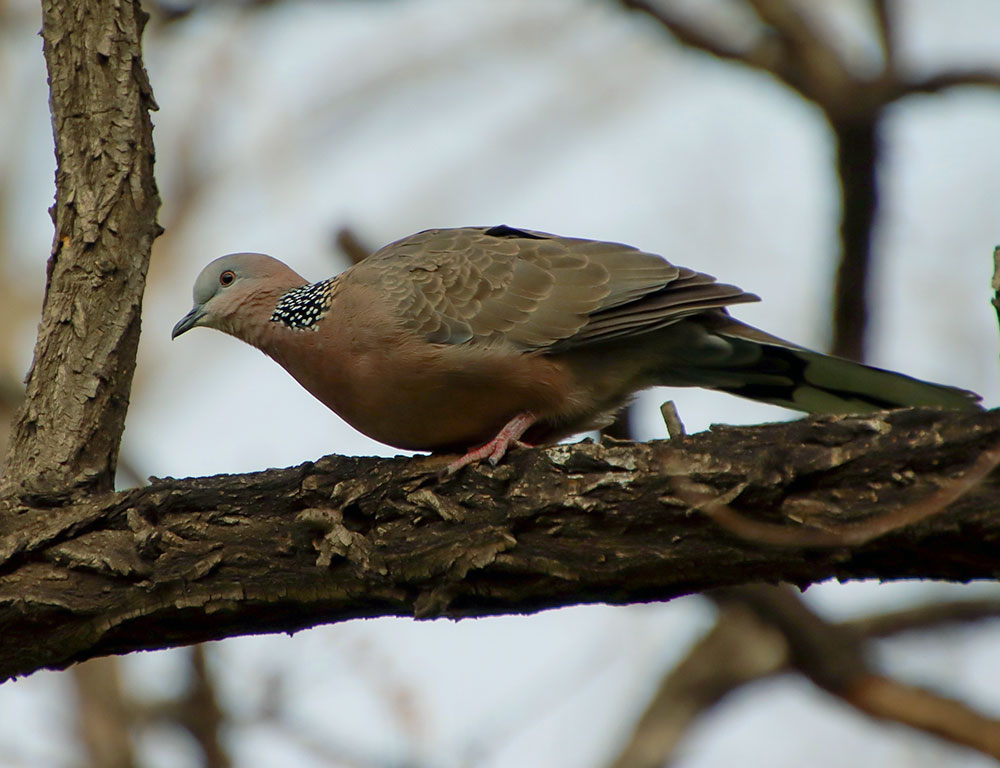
(857, 161)
(67, 432)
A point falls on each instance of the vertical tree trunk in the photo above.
(857, 161)
(66, 434)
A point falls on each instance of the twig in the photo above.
(886, 28)
(786, 20)
(762, 56)
(924, 617)
(129, 474)
(200, 712)
(996, 281)
(944, 80)
(672, 419)
(103, 715)
(350, 244)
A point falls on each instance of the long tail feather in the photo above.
(715, 351)
(817, 383)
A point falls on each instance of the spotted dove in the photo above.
(457, 338)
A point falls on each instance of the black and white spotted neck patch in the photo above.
(301, 308)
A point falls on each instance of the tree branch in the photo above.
(924, 617)
(888, 699)
(182, 561)
(886, 29)
(200, 712)
(766, 55)
(813, 65)
(739, 649)
(858, 150)
(742, 648)
(942, 81)
(104, 715)
(351, 246)
(835, 659)
(797, 52)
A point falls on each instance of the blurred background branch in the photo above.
(795, 46)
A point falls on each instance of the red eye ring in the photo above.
(227, 277)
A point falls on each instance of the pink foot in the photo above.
(495, 449)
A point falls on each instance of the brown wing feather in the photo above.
(531, 290)
(659, 309)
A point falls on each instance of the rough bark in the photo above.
(67, 432)
(183, 561)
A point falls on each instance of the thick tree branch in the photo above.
(188, 560)
(67, 432)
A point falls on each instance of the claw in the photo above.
(493, 451)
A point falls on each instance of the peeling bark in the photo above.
(183, 561)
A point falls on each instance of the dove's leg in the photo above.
(495, 449)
